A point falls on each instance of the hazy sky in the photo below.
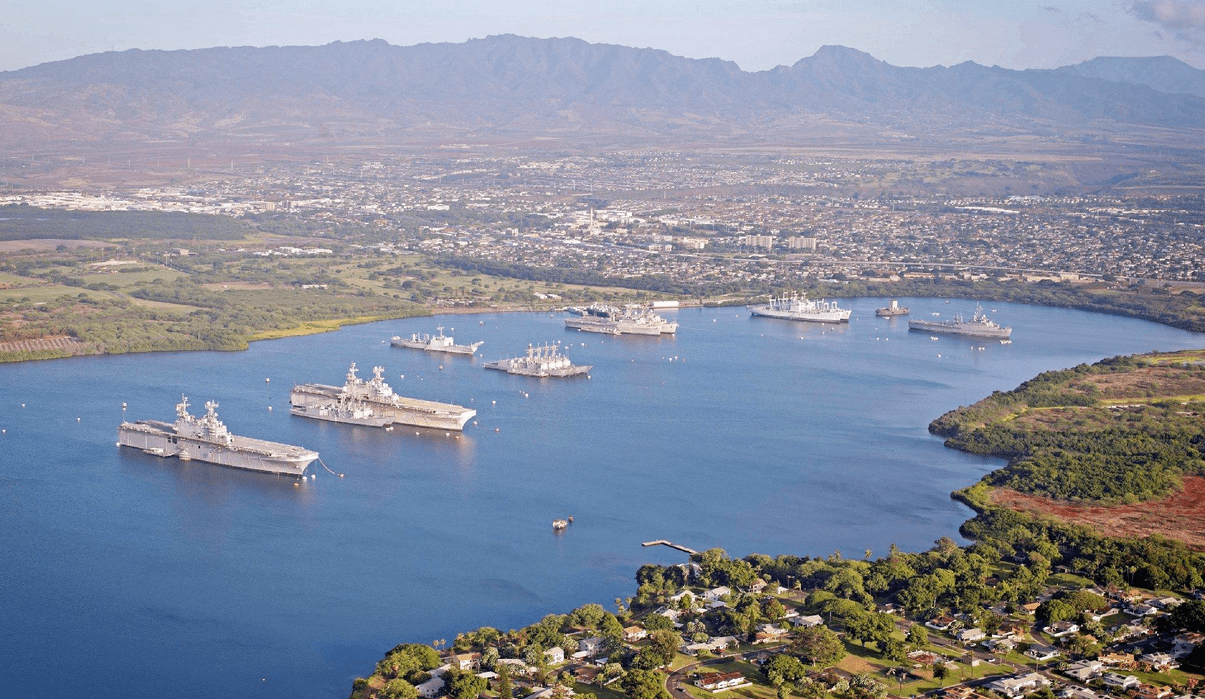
(756, 34)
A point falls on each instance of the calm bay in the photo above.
(125, 575)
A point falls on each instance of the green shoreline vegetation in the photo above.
(1125, 429)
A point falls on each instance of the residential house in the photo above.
(1061, 628)
(716, 594)
(808, 622)
(1159, 661)
(1031, 607)
(1153, 691)
(1041, 652)
(758, 585)
(1073, 692)
(632, 634)
(1019, 685)
(940, 623)
(433, 686)
(1000, 645)
(554, 655)
(970, 635)
(715, 681)
(1184, 643)
(1124, 661)
(515, 666)
(1166, 603)
(1085, 670)
(591, 646)
(466, 661)
(1122, 682)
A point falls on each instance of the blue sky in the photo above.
(756, 34)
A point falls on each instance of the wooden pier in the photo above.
(663, 542)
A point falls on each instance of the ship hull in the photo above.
(509, 367)
(449, 349)
(621, 327)
(245, 453)
(838, 316)
(408, 411)
(960, 330)
(339, 416)
(890, 312)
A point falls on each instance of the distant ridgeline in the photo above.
(21, 222)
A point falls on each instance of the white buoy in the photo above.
(474, 423)
(77, 419)
(415, 434)
(267, 380)
(493, 402)
(495, 429)
(123, 406)
(447, 434)
(296, 484)
(269, 408)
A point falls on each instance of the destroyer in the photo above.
(978, 326)
(632, 320)
(892, 310)
(435, 343)
(802, 308)
(377, 395)
(207, 439)
(540, 361)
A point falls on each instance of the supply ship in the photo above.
(207, 439)
(377, 395)
(978, 326)
(435, 343)
(601, 318)
(802, 308)
(542, 361)
(892, 310)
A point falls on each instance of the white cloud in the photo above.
(1184, 19)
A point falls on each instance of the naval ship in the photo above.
(345, 410)
(435, 343)
(542, 361)
(978, 326)
(207, 439)
(377, 395)
(601, 318)
(802, 308)
(891, 310)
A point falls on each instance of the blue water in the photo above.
(124, 575)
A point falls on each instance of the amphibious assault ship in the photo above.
(801, 308)
(377, 395)
(435, 343)
(601, 318)
(978, 326)
(207, 439)
(541, 361)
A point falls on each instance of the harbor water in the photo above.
(127, 575)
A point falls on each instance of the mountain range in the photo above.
(509, 86)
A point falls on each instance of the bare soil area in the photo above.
(1180, 516)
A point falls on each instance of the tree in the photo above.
(504, 687)
(863, 685)
(918, 636)
(893, 649)
(644, 684)
(463, 684)
(399, 689)
(818, 645)
(610, 627)
(664, 645)
(941, 671)
(657, 622)
(587, 616)
(1189, 616)
(784, 668)
(774, 610)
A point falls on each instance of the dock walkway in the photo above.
(663, 542)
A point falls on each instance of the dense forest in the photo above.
(23, 222)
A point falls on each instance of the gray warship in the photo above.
(377, 395)
(602, 318)
(540, 361)
(435, 343)
(344, 410)
(978, 326)
(891, 310)
(207, 439)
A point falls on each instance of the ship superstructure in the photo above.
(796, 307)
(377, 395)
(541, 361)
(206, 439)
(346, 410)
(978, 326)
(435, 343)
(612, 320)
(891, 310)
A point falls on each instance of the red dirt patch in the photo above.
(1180, 517)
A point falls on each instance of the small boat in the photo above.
(560, 523)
